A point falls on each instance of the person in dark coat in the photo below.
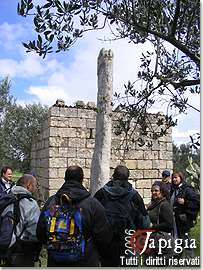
(120, 189)
(160, 212)
(186, 204)
(161, 217)
(166, 180)
(96, 228)
(6, 180)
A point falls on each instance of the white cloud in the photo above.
(181, 137)
(9, 33)
(47, 95)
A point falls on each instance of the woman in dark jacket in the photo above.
(161, 217)
(160, 211)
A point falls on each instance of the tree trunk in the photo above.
(100, 167)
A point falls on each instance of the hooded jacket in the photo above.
(96, 228)
(115, 190)
(121, 190)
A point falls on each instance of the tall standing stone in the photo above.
(100, 167)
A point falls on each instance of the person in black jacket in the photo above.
(161, 217)
(96, 228)
(160, 211)
(120, 199)
(6, 180)
(186, 204)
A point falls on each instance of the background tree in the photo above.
(6, 100)
(184, 157)
(17, 127)
(168, 73)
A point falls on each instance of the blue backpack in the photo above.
(64, 226)
(9, 220)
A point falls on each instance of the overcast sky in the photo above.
(71, 75)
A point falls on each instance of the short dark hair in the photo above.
(4, 170)
(121, 173)
(74, 173)
(23, 180)
(166, 173)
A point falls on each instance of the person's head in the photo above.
(177, 178)
(158, 191)
(121, 173)
(74, 173)
(166, 174)
(27, 181)
(6, 173)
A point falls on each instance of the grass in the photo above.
(195, 234)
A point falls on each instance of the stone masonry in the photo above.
(68, 137)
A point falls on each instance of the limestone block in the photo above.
(155, 145)
(90, 143)
(63, 152)
(147, 193)
(169, 164)
(77, 142)
(45, 134)
(144, 183)
(131, 164)
(116, 144)
(82, 133)
(71, 112)
(51, 192)
(44, 163)
(58, 142)
(166, 155)
(76, 161)
(88, 163)
(67, 132)
(54, 131)
(144, 164)
(53, 173)
(57, 162)
(114, 163)
(151, 154)
(86, 173)
(140, 191)
(133, 154)
(147, 200)
(169, 147)
(85, 113)
(61, 172)
(46, 143)
(159, 164)
(54, 111)
(136, 174)
(151, 174)
(44, 153)
(77, 123)
(55, 184)
(71, 152)
(43, 172)
(53, 152)
(91, 123)
(84, 153)
(162, 146)
(64, 142)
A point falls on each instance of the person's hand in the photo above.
(180, 200)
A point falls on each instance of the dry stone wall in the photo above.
(68, 137)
